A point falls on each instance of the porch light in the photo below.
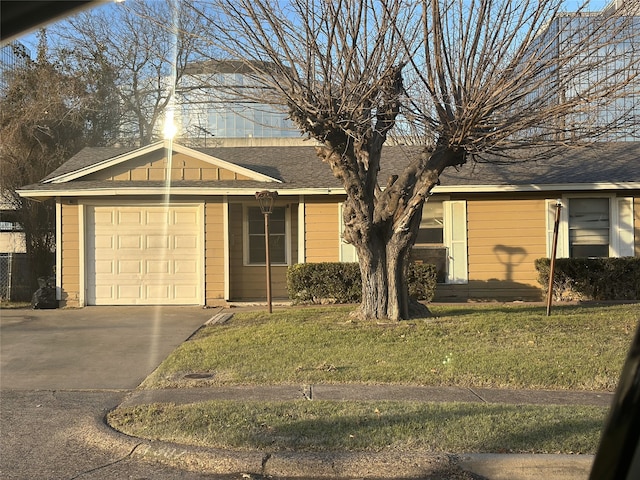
(266, 199)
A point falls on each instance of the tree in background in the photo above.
(47, 114)
(140, 45)
(463, 80)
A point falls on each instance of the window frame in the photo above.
(621, 233)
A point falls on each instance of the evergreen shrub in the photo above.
(592, 278)
(335, 282)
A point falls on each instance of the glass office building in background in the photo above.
(604, 63)
(208, 107)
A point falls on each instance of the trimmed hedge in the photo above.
(340, 282)
(592, 278)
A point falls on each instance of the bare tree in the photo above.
(141, 45)
(43, 121)
(470, 79)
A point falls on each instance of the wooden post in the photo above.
(265, 199)
(267, 260)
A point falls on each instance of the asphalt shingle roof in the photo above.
(299, 167)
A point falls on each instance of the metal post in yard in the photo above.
(265, 199)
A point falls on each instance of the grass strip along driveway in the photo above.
(577, 348)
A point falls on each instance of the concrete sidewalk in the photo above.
(369, 392)
(389, 465)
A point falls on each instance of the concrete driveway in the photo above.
(61, 371)
(92, 348)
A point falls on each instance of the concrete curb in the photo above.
(330, 465)
(528, 467)
(333, 465)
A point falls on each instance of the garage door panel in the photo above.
(144, 255)
(104, 267)
(104, 292)
(157, 218)
(158, 293)
(184, 218)
(185, 267)
(158, 241)
(130, 241)
(104, 241)
(129, 217)
(131, 292)
(130, 267)
(158, 267)
(184, 291)
(104, 217)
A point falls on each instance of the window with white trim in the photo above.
(255, 249)
(592, 226)
(589, 227)
(431, 230)
(429, 247)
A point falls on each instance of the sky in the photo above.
(31, 42)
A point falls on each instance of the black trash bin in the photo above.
(45, 296)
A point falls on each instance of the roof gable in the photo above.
(150, 163)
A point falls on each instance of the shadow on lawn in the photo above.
(463, 309)
(452, 432)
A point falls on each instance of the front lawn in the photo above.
(505, 346)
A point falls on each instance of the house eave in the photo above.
(174, 191)
(45, 194)
(551, 187)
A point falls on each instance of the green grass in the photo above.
(578, 347)
(368, 426)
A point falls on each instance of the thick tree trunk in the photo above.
(385, 293)
(384, 238)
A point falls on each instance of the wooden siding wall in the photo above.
(214, 252)
(322, 242)
(248, 282)
(152, 168)
(505, 237)
(70, 262)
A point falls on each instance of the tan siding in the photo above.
(505, 237)
(70, 267)
(214, 252)
(153, 167)
(322, 242)
(140, 174)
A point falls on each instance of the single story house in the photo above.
(129, 232)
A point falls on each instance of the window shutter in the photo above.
(347, 251)
(455, 239)
(623, 232)
(562, 247)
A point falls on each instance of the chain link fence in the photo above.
(14, 277)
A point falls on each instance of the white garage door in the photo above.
(144, 255)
